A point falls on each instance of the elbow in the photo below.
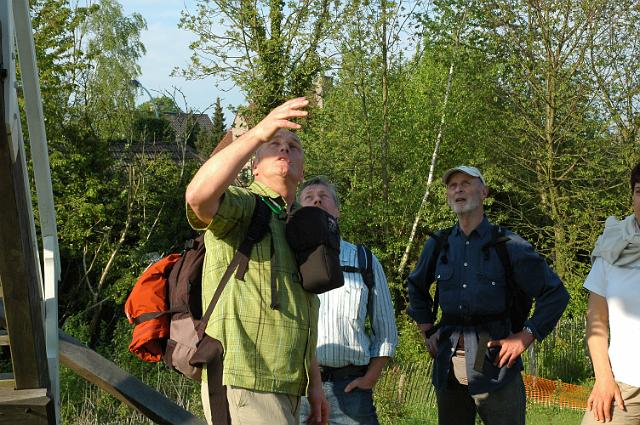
(191, 196)
(197, 204)
(202, 206)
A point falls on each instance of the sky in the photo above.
(167, 47)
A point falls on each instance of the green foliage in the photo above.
(162, 103)
(543, 99)
(151, 129)
(273, 49)
(219, 128)
(113, 48)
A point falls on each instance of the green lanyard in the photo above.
(275, 208)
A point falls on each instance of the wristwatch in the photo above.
(529, 331)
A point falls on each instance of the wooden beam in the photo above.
(25, 407)
(18, 262)
(125, 387)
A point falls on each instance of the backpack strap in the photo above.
(365, 263)
(258, 228)
(442, 245)
(499, 243)
(365, 268)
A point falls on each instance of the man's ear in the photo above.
(254, 166)
(485, 192)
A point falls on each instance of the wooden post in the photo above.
(19, 267)
(120, 384)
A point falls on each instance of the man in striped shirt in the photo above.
(350, 358)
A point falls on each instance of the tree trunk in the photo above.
(434, 157)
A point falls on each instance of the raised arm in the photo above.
(212, 179)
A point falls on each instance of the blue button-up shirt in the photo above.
(472, 282)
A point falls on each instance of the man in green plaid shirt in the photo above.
(269, 353)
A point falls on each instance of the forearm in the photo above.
(376, 365)
(598, 336)
(212, 179)
(315, 379)
(598, 350)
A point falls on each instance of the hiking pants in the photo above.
(250, 407)
(629, 416)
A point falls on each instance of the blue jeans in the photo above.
(353, 408)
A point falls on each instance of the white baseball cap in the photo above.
(471, 171)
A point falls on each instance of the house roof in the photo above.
(151, 150)
(180, 122)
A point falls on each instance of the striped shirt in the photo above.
(264, 349)
(342, 338)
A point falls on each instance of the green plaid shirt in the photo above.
(264, 349)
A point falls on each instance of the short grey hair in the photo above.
(320, 180)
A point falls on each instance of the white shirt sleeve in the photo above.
(385, 334)
(596, 280)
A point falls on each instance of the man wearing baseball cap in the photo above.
(486, 278)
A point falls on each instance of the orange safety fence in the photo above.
(555, 393)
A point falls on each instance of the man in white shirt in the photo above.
(350, 358)
(614, 309)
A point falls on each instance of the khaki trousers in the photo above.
(629, 416)
(249, 407)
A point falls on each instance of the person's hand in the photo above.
(511, 348)
(431, 342)
(280, 118)
(600, 401)
(363, 382)
(319, 405)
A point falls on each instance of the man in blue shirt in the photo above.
(477, 367)
(350, 358)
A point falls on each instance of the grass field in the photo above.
(536, 415)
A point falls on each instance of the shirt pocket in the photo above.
(490, 294)
(448, 292)
(355, 301)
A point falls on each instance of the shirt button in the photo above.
(465, 264)
(464, 285)
(460, 307)
(453, 349)
(493, 283)
(466, 243)
(438, 277)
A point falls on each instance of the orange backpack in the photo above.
(149, 294)
(166, 307)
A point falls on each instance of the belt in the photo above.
(336, 373)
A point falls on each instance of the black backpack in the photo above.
(365, 268)
(518, 302)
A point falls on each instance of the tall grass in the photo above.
(403, 395)
(85, 404)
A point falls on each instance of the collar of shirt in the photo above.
(480, 231)
(264, 190)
